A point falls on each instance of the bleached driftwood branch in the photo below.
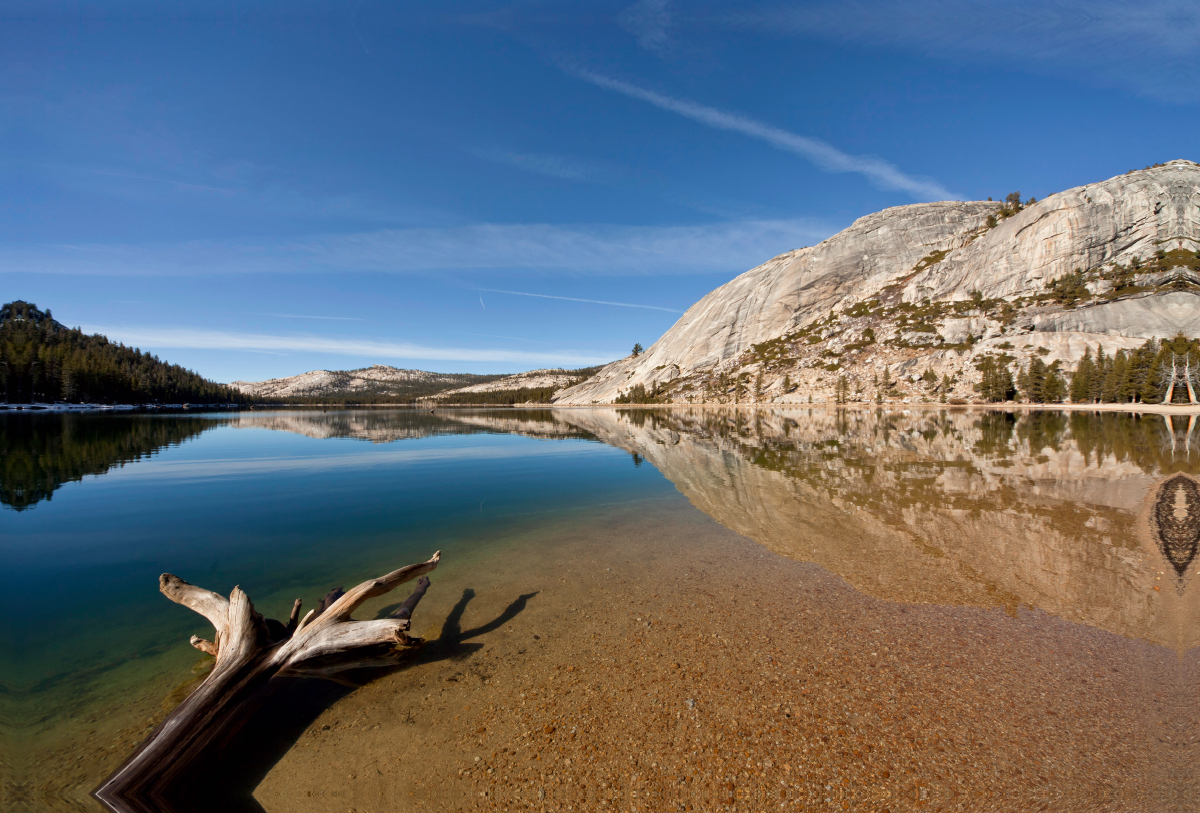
(250, 652)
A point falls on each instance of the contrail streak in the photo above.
(576, 299)
(825, 156)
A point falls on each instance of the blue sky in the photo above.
(260, 189)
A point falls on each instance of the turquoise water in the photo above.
(275, 511)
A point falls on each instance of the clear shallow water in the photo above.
(1040, 513)
(273, 510)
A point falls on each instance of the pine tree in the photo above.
(842, 393)
(1099, 372)
(1116, 379)
(1154, 388)
(996, 382)
(1035, 381)
(1055, 388)
(1081, 379)
(1141, 366)
(44, 361)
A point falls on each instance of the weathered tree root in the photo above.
(250, 652)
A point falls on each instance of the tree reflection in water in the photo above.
(40, 453)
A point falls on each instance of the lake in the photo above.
(636, 609)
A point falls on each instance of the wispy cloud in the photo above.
(149, 337)
(222, 190)
(824, 156)
(576, 299)
(323, 318)
(494, 336)
(1152, 47)
(649, 21)
(582, 249)
(563, 167)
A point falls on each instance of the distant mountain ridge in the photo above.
(384, 384)
(378, 381)
(533, 387)
(910, 302)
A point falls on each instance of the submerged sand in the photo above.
(662, 662)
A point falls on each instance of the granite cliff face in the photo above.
(932, 286)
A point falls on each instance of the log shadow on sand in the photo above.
(231, 767)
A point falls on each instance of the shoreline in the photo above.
(57, 409)
(1008, 406)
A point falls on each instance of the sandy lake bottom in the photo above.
(637, 679)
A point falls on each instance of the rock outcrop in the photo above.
(933, 286)
(535, 383)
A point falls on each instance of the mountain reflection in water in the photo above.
(1042, 509)
(1048, 510)
(1176, 522)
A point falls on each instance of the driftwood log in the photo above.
(250, 653)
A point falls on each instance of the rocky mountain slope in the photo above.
(534, 379)
(378, 380)
(535, 386)
(935, 287)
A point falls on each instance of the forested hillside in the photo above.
(44, 361)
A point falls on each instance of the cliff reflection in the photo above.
(1093, 517)
(1043, 510)
(1176, 522)
(388, 426)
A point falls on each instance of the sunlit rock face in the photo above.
(790, 290)
(379, 379)
(1145, 223)
(1044, 511)
(1128, 216)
